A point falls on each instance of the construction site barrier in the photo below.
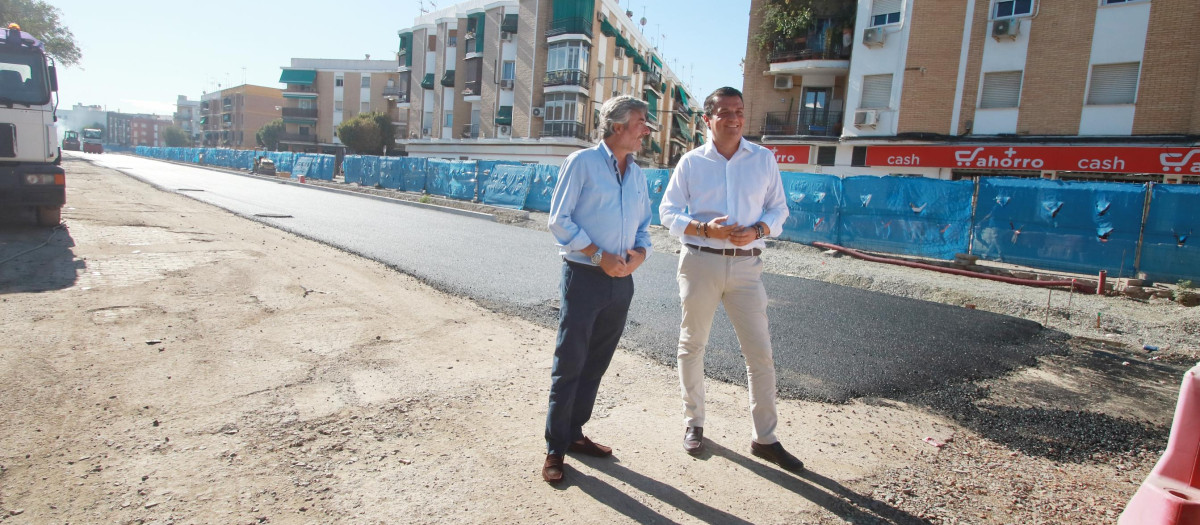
(1171, 493)
(1082, 227)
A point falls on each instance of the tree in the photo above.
(42, 21)
(785, 20)
(268, 136)
(368, 133)
(176, 137)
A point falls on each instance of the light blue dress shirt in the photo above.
(705, 185)
(591, 205)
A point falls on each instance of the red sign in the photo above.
(789, 154)
(1040, 158)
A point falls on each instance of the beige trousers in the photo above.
(705, 280)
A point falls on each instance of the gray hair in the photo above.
(616, 111)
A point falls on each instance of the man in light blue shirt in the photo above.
(723, 200)
(600, 216)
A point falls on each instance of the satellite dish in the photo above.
(643, 20)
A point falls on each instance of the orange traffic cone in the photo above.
(1171, 493)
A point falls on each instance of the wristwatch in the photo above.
(758, 231)
(597, 257)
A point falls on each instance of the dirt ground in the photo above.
(164, 361)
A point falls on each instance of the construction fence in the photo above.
(1080, 227)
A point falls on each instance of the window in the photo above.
(1115, 2)
(509, 70)
(364, 107)
(884, 12)
(337, 105)
(1001, 89)
(366, 81)
(562, 107)
(304, 130)
(448, 118)
(567, 55)
(337, 81)
(452, 38)
(432, 44)
(306, 103)
(877, 91)
(1011, 8)
(859, 156)
(1113, 84)
(826, 155)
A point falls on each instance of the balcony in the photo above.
(300, 113)
(569, 26)
(401, 96)
(819, 123)
(296, 137)
(567, 77)
(654, 78)
(564, 129)
(472, 89)
(800, 57)
(470, 131)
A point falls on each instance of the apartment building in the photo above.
(323, 93)
(187, 117)
(231, 117)
(132, 130)
(524, 80)
(1085, 90)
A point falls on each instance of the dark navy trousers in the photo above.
(591, 320)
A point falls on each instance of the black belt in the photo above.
(732, 252)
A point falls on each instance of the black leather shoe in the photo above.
(777, 455)
(693, 440)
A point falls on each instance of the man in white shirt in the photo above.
(723, 200)
(600, 218)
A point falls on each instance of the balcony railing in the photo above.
(564, 129)
(654, 79)
(795, 51)
(300, 112)
(820, 123)
(393, 91)
(470, 131)
(472, 89)
(296, 137)
(563, 26)
(566, 77)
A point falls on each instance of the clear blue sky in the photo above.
(139, 55)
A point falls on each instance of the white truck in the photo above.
(31, 175)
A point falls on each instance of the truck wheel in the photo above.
(49, 215)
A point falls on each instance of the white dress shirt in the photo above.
(593, 205)
(705, 185)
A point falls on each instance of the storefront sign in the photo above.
(789, 154)
(1040, 158)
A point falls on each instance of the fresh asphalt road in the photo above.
(831, 342)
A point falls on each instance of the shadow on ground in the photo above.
(36, 259)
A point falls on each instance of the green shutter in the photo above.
(406, 45)
(509, 24)
(504, 116)
(480, 23)
(652, 101)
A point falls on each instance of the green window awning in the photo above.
(621, 42)
(293, 94)
(656, 61)
(607, 29)
(681, 124)
(681, 95)
(699, 138)
(480, 23)
(509, 24)
(406, 51)
(652, 101)
(204, 120)
(427, 82)
(655, 147)
(504, 116)
(298, 76)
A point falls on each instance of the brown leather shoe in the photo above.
(777, 455)
(552, 471)
(587, 446)
(693, 440)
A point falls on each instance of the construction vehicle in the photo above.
(70, 140)
(30, 172)
(93, 140)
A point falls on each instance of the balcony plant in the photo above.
(787, 22)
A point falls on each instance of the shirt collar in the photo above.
(710, 147)
(612, 158)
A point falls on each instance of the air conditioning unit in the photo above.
(425, 132)
(874, 36)
(1007, 28)
(503, 130)
(866, 118)
(620, 52)
(537, 112)
(506, 36)
(783, 82)
(506, 83)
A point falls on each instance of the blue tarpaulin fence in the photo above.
(910, 215)
(1070, 226)
(1170, 246)
(1080, 227)
(814, 202)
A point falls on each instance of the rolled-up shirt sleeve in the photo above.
(642, 237)
(775, 210)
(672, 211)
(567, 233)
